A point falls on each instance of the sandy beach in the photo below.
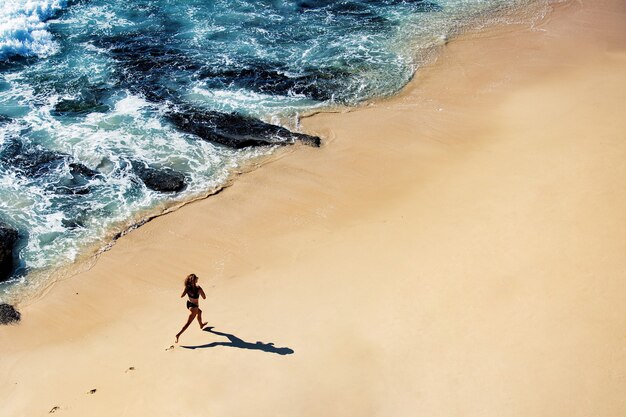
(455, 250)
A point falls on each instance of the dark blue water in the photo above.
(103, 102)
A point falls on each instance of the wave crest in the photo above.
(23, 30)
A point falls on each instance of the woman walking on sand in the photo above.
(194, 292)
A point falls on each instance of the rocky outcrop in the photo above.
(163, 180)
(82, 170)
(146, 63)
(88, 99)
(78, 107)
(272, 78)
(30, 161)
(360, 8)
(38, 162)
(8, 237)
(235, 130)
(8, 314)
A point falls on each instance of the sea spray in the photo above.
(23, 30)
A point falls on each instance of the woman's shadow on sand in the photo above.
(236, 342)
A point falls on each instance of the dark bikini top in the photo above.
(193, 292)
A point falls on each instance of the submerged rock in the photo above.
(235, 130)
(65, 190)
(315, 84)
(82, 170)
(77, 182)
(147, 52)
(38, 162)
(145, 65)
(79, 95)
(72, 223)
(424, 6)
(89, 99)
(79, 107)
(163, 180)
(8, 237)
(31, 161)
(8, 314)
(360, 7)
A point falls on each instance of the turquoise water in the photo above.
(88, 90)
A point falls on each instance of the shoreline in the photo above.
(471, 266)
(45, 279)
(18, 295)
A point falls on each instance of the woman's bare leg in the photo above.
(200, 319)
(192, 315)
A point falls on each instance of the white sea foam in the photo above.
(336, 50)
(250, 102)
(59, 225)
(23, 30)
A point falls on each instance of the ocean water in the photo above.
(95, 93)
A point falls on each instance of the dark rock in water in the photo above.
(78, 107)
(308, 5)
(80, 169)
(162, 180)
(8, 237)
(77, 183)
(424, 5)
(235, 130)
(16, 62)
(81, 96)
(5, 119)
(358, 7)
(146, 52)
(352, 8)
(72, 223)
(316, 84)
(79, 218)
(146, 64)
(8, 314)
(90, 100)
(38, 162)
(64, 190)
(31, 161)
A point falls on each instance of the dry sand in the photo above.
(457, 250)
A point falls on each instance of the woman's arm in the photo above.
(184, 292)
(202, 293)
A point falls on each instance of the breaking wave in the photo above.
(23, 28)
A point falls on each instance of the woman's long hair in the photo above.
(190, 281)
